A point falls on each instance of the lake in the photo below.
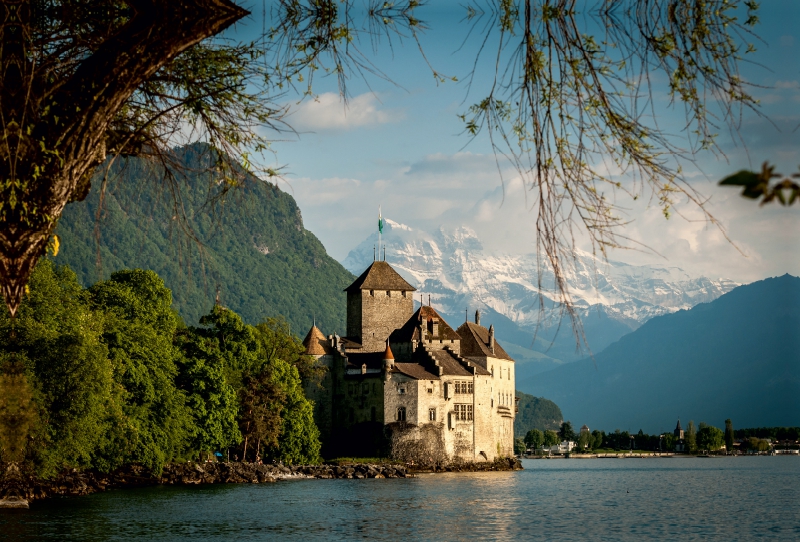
(592, 499)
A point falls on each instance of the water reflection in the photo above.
(738, 498)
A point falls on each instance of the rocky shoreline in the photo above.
(76, 483)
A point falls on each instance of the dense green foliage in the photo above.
(534, 439)
(775, 433)
(729, 438)
(536, 413)
(115, 378)
(710, 438)
(691, 437)
(250, 242)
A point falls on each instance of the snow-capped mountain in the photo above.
(458, 273)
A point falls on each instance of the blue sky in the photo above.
(400, 144)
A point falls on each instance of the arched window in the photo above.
(401, 414)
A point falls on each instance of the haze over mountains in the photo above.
(459, 273)
(736, 357)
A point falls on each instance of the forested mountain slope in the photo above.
(252, 244)
(536, 413)
(736, 357)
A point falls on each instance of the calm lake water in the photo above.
(595, 499)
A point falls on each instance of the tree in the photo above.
(138, 329)
(691, 437)
(597, 439)
(534, 439)
(585, 440)
(668, 443)
(550, 438)
(519, 446)
(81, 80)
(710, 438)
(55, 343)
(118, 79)
(271, 409)
(729, 435)
(566, 432)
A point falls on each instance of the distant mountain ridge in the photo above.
(455, 269)
(253, 244)
(736, 357)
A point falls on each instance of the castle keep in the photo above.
(404, 376)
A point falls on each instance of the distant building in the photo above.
(585, 429)
(563, 447)
(400, 370)
(680, 442)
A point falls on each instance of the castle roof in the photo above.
(380, 276)
(316, 344)
(373, 360)
(410, 330)
(415, 370)
(388, 353)
(475, 342)
(678, 427)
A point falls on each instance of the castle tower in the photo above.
(378, 302)
(321, 392)
(678, 431)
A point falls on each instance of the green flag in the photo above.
(380, 221)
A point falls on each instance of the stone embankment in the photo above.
(77, 483)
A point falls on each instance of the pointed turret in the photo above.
(315, 342)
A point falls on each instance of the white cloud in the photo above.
(328, 112)
(787, 84)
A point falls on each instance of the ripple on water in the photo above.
(734, 498)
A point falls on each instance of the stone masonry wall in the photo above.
(382, 312)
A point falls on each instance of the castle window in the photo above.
(388, 293)
(463, 413)
(430, 390)
(372, 293)
(458, 386)
(432, 414)
(401, 391)
(404, 293)
(401, 414)
(469, 387)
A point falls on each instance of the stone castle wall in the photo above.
(382, 311)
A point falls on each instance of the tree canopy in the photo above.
(108, 376)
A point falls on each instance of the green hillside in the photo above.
(252, 244)
(536, 413)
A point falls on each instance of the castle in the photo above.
(405, 374)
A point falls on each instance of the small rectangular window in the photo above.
(432, 414)
(469, 387)
(401, 391)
